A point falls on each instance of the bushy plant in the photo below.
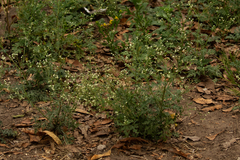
(147, 110)
(108, 31)
(43, 40)
(6, 133)
(142, 110)
(234, 36)
(232, 68)
(203, 66)
(46, 33)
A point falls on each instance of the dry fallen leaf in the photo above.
(25, 145)
(203, 101)
(3, 145)
(27, 121)
(234, 29)
(72, 148)
(70, 68)
(11, 152)
(207, 83)
(28, 131)
(54, 137)
(73, 33)
(194, 122)
(46, 158)
(212, 108)
(115, 72)
(108, 153)
(124, 21)
(228, 110)
(226, 98)
(193, 138)
(136, 147)
(34, 138)
(84, 128)
(174, 150)
(102, 133)
(199, 89)
(206, 91)
(44, 104)
(212, 137)
(106, 121)
(82, 111)
(76, 63)
(69, 61)
(52, 144)
(133, 139)
(119, 145)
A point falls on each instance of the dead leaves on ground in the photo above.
(136, 143)
(203, 101)
(73, 65)
(37, 137)
(108, 153)
(54, 137)
(212, 108)
(4, 145)
(82, 111)
(174, 150)
(212, 98)
(212, 137)
(41, 137)
(127, 142)
(192, 138)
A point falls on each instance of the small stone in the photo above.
(101, 147)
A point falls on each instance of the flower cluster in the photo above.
(110, 22)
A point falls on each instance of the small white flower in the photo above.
(3, 58)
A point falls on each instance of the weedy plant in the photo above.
(39, 47)
(232, 68)
(147, 110)
(141, 18)
(6, 133)
(108, 31)
(142, 110)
